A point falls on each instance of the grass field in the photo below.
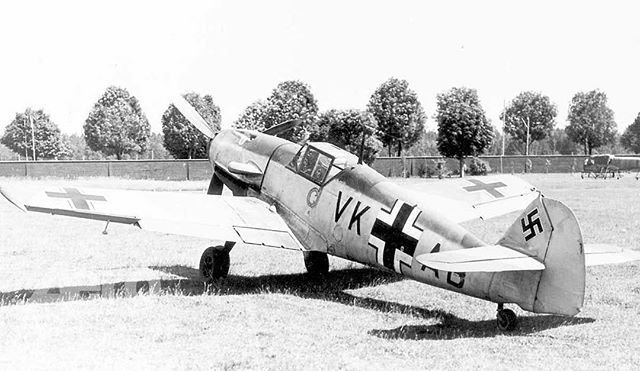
(269, 315)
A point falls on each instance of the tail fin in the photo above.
(548, 230)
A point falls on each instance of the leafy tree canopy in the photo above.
(463, 129)
(80, 150)
(253, 117)
(591, 122)
(292, 100)
(49, 142)
(399, 114)
(116, 125)
(532, 109)
(631, 137)
(181, 138)
(156, 148)
(425, 146)
(344, 129)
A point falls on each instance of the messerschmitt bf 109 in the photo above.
(322, 200)
(605, 165)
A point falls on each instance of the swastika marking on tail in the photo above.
(487, 187)
(533, 223)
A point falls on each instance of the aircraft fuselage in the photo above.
(350, 211)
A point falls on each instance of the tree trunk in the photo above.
(389, 149)
(461, 162)
(586, 146)
(399, 148)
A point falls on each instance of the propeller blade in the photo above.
(215, 185)
(193, 116)
(283, 127)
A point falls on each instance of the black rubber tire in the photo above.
(317, 262)
(507, 320)
(214, 262)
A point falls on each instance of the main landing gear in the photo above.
(316, 262)
(506, 318)
(215, 261)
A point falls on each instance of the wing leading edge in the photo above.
(240, 219)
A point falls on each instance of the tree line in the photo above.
(393, 123)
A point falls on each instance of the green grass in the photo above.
(269, 315)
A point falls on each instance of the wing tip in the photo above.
(12, 199)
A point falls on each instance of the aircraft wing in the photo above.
(480, 259)
(464, 199)
(241, 219)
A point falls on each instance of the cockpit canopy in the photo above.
(321, 161)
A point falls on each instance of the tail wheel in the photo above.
(507, 320)
(214, 262)
(316, 262)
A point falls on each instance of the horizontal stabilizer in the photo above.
(481, 259)
(600, 254)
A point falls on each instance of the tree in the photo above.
(532, 110)
(292, 100)
(6, 154)
(181, 138)
(344, 129)
(156, 148)
(116, 125)
(631, 137)
(80, 150)
(253, 117)
(425, 146)
(399, 114)
(561, 144)
(591, 122)
(463, 129)
(49, 142)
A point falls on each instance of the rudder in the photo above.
(548, 230)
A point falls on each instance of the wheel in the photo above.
(214, 262)
(317, 262)
(507, 320)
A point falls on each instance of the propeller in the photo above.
(190, 113)
(193, 116)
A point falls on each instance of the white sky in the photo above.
(61, 55)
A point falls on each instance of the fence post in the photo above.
(108, 169)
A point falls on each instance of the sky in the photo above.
(61, 55)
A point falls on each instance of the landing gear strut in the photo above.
(215, 261)
(316, 262)
(507, 320)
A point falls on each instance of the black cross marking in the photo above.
(488, 187)
(530, 229)
(79, 200)
(393, 236)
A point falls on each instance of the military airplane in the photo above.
(605, 165)
(322, 200)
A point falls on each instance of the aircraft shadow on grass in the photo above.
(330, 287)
